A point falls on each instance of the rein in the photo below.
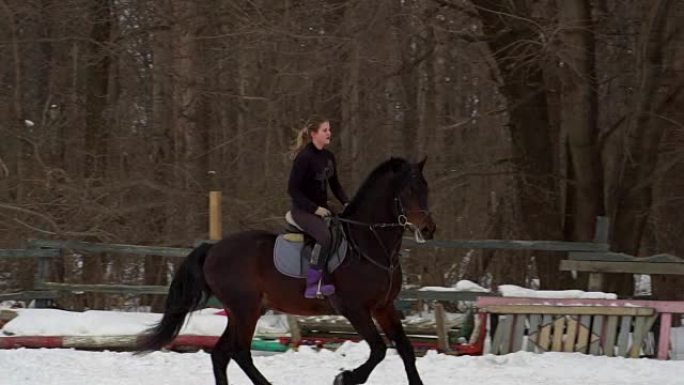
(392, 253)
(373, 229)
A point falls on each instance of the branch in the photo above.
(457, 7)
(46, 218)
(4, 170)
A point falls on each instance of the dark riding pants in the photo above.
(315, 226)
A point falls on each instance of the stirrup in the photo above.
(319, 295)
(317, 290)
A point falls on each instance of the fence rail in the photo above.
(30, 253)
(103, 288)
(110, 248)
(29, 295)
(509, 245)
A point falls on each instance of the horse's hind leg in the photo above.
(363, 323)
(244, 317)
(389, 321)
(220, 356)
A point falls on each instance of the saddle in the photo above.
(292, 250)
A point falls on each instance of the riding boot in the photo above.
(314, 277)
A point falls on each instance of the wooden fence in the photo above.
(594, 257)
(45, 250)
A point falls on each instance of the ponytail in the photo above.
(304, 135)
(301, 140)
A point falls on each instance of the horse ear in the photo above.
(421, 164)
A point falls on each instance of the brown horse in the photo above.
(240, 272)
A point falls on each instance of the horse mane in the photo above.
(398, 166)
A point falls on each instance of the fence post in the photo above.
(42, 275)
(214, 208)
(442, 329)
(295, 331)
(602, 230)
(601, 234)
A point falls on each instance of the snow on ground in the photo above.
(205, 322)
(51, 322)
(305, 367)
(309, 367)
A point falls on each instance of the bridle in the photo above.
(402, 219)
(401, 222)
(392, 253)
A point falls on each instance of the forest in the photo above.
(117, 117)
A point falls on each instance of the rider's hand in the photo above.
(322, 212)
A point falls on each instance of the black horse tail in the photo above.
(188, 291)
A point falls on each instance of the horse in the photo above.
(239, 271)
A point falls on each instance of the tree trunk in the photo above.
(97, 82)
(97, 125)
(578, 120)
(532, 135)
(634, 193)
(189, 137)
(160, 156)
(13, 161)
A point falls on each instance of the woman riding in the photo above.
(314, 167)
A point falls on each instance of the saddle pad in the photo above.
(287, 257)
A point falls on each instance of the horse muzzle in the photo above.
(428, 230)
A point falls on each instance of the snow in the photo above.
(517, 291)
(307, 366)
(462, 285)
(310, 367)
(52, 322)
(465, 285)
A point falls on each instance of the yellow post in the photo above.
(214, 208)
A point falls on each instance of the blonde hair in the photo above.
(304, 134)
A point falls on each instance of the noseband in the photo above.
(402, 219)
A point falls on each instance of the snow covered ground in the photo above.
(52, 322)
(305, 367)
(309, 367)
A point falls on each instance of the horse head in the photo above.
(395, 193)
(412, 198)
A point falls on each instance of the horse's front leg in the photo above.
(389, 321)
(361, 320)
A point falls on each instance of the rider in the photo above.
(314, 167)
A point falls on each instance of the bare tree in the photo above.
(536, 117)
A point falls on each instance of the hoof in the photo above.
(343, 378)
